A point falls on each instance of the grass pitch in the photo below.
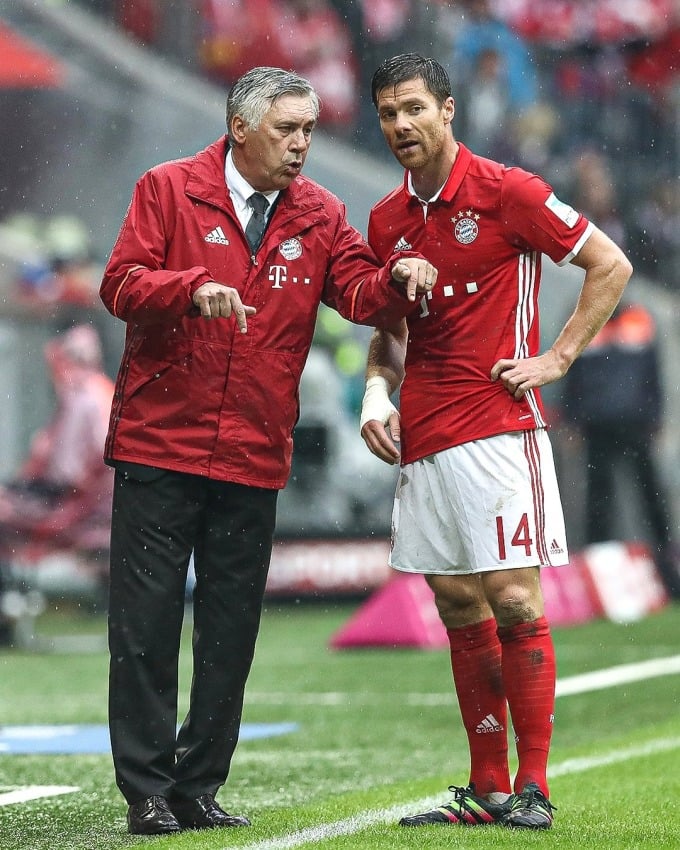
(378, 736)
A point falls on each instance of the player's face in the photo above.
(271, 156)
(415, 126)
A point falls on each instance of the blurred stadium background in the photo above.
(93, 93)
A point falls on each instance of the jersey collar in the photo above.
(458, 172)
(455, 178)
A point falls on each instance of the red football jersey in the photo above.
(485, 233)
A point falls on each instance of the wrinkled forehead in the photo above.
(293, 108)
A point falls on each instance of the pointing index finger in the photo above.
(412, 285)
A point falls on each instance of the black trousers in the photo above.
(156, 524)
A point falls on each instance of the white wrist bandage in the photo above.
(376, 403)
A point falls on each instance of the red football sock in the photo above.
(476, 666)
(529, 679)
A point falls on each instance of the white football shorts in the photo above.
(491, 504)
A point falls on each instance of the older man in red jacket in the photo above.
(219, 325)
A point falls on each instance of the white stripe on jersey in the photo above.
(527, 268)
(526, 287)
(531, 399)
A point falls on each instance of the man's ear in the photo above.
(449, 110)
(237, 131)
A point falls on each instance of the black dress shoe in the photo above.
(204, 813)
(151, 817)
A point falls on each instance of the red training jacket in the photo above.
(195, 395)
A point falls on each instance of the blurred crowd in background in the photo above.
(586, 92)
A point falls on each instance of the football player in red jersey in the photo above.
(477, 508)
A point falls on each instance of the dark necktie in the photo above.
(257, 222)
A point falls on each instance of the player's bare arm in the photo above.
(417, 275)
(216, 300)
(380, 423)
(607, 273)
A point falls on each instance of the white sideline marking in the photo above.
(35, 792)
(661, 745)
(348, 826)
(620, 675)
(356, 823)
(584, 682)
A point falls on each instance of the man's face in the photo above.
(415, 126)
(272, 156)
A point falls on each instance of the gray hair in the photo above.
(253, 94)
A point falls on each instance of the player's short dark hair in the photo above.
(410, 66)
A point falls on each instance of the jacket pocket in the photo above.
(267, 398)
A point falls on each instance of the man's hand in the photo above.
(214, 300)
(418, 275)
(377, 411)
(518, 376)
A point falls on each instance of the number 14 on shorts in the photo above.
(520, 537)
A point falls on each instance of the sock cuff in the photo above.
(535, 628)
(473, 636)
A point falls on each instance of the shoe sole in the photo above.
(520, 825)
(196, 826)
(410, 822)
(170, 831)
(461, 823)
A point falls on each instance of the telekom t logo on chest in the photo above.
(279, 275)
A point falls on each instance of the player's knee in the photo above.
(514, 595)
(515, 604)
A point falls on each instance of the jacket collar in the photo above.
(206, 182)
(206, 177)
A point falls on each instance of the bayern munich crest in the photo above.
(466, 228)
(291, 249)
